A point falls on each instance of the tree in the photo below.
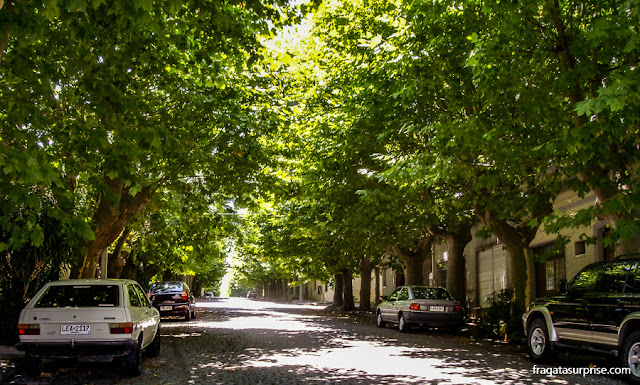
(121, 119)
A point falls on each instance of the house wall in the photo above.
(487, 264)
(322, 292)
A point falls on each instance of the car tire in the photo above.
(187, 315)
(630, 356)
(403, 326)
(32, 365)
(193, 314)
(153, 350)
(538, 343)
(379, 321)
(133, 362)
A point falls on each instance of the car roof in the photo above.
(425, 286)
(628, 257)
(161, 282)
(90, 281)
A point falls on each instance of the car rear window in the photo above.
(80, 296)
(166, 286)
(430, 293)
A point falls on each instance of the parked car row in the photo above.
(99, 320)
(598, 311)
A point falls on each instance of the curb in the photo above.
(10, 359)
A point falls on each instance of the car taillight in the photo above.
(121, 328)
(29, 329)
(414, 306)
(457, 308)
(184, 295)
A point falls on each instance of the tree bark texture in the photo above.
(366, 266)
(347, 290)
(413, 259)
(116, 259)
(376, 271)
(338, 300)
(516, 239)
(115, 210)
(457, 238)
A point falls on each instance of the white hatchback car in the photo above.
(89, 320)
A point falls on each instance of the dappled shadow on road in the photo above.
(265, 343)
(269, 345)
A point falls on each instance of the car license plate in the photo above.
(436, 308)
(165, 308)
(75, 329)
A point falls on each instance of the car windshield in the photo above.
(161, 286)
(80, 296)
(430, 293)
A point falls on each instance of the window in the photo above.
(395, 295)
(404, 294)
(79, 296)
(579, 248)
(430, 293)
(161, 286)
(550, 267)
(613, 278)
(143, 297)
(134, 300)
(585, 280)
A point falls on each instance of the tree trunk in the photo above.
(115, 210)
(347, 290)
(338, 299)
(116, 259)
(456, 238)
(366, 266)
(376, 271)
(413, 259)
(516, 240)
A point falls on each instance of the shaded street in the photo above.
(240, 341)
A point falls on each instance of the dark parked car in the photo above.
(598, 311)
(173, 298)
(422, 306)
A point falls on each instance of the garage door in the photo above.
(492, 271)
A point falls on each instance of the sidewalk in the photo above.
(9, 358)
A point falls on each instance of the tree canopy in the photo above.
(341, 131)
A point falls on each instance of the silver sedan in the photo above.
(420, 306)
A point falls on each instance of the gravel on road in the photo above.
(240, 341)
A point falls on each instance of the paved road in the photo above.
(239, 341)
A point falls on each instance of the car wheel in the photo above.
(631, 356)
(193, 314)
(153, 350)
(187, 315)
(133, 362)
(379, 321)
(32, 365)
(403, 327)
(538, 342)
